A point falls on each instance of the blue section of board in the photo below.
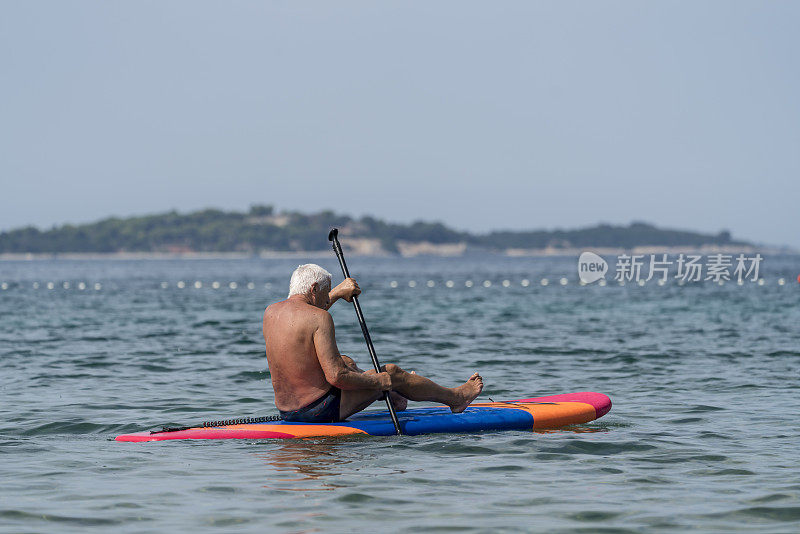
(440, 420)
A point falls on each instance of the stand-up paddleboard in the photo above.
(525, 414)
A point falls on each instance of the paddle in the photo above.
(333, 237)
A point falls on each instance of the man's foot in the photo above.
(467, 392)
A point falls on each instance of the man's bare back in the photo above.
(297, 376)
(305, 364)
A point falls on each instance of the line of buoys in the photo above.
(563, 281)
(216, 284)
(525, 282)
(80, 286)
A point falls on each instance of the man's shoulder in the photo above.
(273, 308)
(296, 309)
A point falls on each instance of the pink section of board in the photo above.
(209, 433)
(601, 403)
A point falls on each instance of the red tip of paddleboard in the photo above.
(601, 403)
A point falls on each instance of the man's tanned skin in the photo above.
(304, 361)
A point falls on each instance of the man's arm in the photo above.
(337, 373)
(346, 290)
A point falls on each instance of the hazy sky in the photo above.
(484, 115)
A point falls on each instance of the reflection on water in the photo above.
(573, 429)
(311, 461)
(314, 464)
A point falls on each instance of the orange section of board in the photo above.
(550, 414)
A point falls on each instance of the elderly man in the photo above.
(313, 383)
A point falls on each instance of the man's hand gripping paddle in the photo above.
(333, 237)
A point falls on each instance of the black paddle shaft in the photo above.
(333, 236)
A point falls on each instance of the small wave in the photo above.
(772, 497)
(599, 447)
(723, 472)
(623, 358)
(165, 333)
(592, 516)
(713, 435)
(686, 420)
(248, 400)
(510, 468)
(95, 364)
(257, 346)
(500, 362)
(456, 448)
(218, 489)
(359, 498)
(19, 515)
(781, 353)
(68, 427)
(676, 458)
(155, 368)
(772, 513)
(702, 408)
(145, 353)
(249, 376)
(206, 323)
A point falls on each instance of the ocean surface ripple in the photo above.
(703, 435)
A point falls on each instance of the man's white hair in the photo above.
(307, 275)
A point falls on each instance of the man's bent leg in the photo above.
(415, 387)
(418, 388)
(355, 400)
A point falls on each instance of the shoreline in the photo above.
(428, 252)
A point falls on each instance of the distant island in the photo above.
(263, 231)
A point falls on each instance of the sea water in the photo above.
(703, 435)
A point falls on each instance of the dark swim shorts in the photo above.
(323, 410)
